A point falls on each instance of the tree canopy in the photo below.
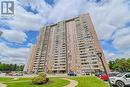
(11, 67)
(121, 65)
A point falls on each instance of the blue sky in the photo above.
(111, 19)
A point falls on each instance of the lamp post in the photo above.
(105, 70)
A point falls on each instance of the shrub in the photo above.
(40, 79)
(42, 74)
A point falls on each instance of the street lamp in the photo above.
(105, 70)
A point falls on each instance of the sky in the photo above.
(111, 19)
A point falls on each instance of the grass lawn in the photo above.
(89, 82)
(26, 82)
(86, 81)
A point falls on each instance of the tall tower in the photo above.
(69, 45)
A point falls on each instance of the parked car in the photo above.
(121, 80)
(83, 73)
(111, 74)
(71, 73)
(104, 77)
(98, 74)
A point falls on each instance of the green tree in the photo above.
(128, 60)
(11, 67)
(121, 65)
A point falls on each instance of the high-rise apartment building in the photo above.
(69, 45)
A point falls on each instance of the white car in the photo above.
(121, 80)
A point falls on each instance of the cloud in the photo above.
(13, 55)
(112, 55)
(109, 55)
(30, 44)
(109, 18)
(67, 9)
(24, 20)
(14, 36)
(105, 31)
(121, 39)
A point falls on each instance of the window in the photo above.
(120, 75)
(94, 62)
(95, 66)
(127, 75)
(90, 47)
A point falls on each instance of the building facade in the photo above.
(69, 45)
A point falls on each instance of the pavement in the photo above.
(72, 83)
(3, 85)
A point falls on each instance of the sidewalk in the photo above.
(3, 85)
(72, 83)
